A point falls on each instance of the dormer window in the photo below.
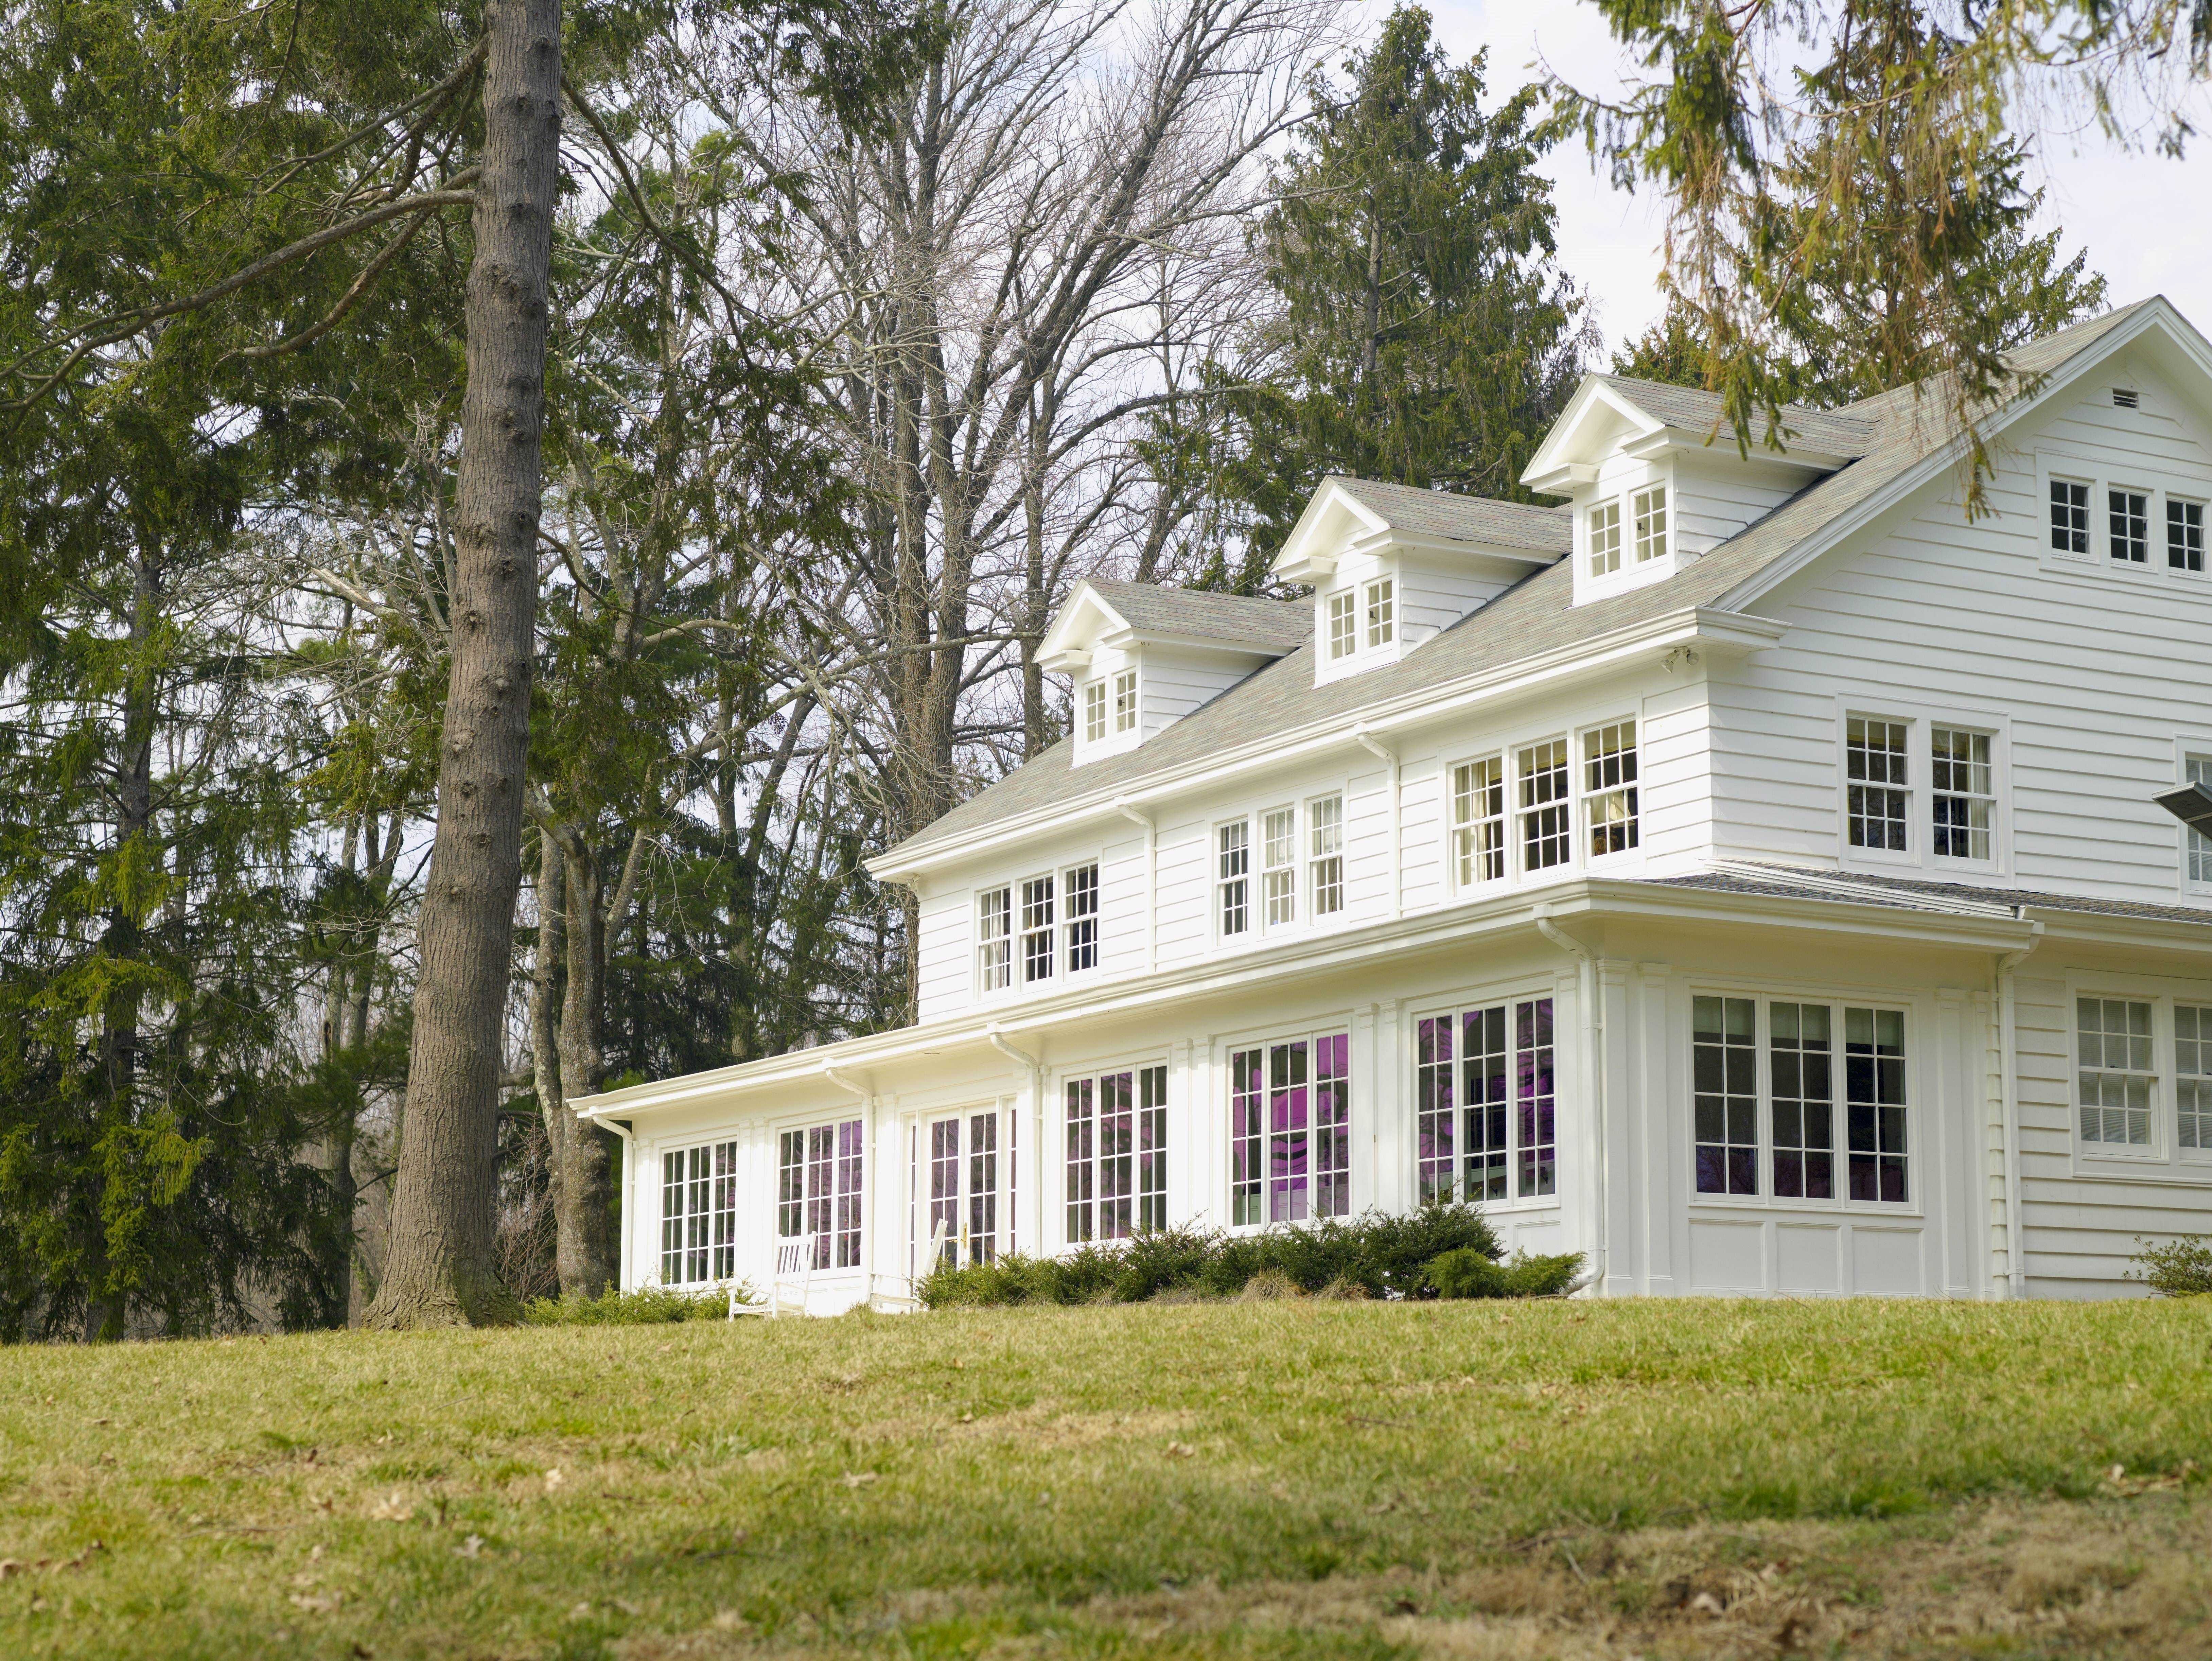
(1605, 539)
(1382, 612)
(1125, 701)
(1650, 507)
(1094, 712)
(1343, 625)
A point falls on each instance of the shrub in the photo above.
(646, 1307)
(2180, 1268)
(1468, 1274)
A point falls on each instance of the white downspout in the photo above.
(1035, 1152)
(1594, 1071)
(1375, 746)
(1130, 811)
(629, 1200)
(867, 1097)
(2008, 1090)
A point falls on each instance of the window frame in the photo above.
(1625, 783)
(1280, 879)
(2079, 529)
(1093, 710)
(1249, 1165)
(2117, 493)
(1524, 809)
(1378, 612)
(2192, 762)
(1220, 879)
(833, 1149)
(2163, 1159)
(1921, 722)
(985, 966)
(1343, 609)
(1325, 869)
(1603, 519)
(1937, 794)
(1031, 927)
(2177, 517)
(1127, 709)
(2092, 556)
(1512, 1165)
(1137, 1176)
(1465, 879)
(1080, 931)
(707, 1171)
(1651, 544)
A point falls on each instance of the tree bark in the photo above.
(440, 1269)
(585, 1244)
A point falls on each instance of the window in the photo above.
(1233, 883)
(2117, 1071)
(1037, 929)
(818, 1190)
(1479, 820)
(1801, 1108)
(1278, 859)
(1964, 793)
(1382, 610)
(994, 945)
(1472, 1069)
(1343, 624)
(1117, 1154)
(699, 1215)
(1650, 524)
(2185, 535)
(2130, 513)
(2069, 516)
(1610, 787)
(1724, 1072)
(2193, 1067)
(1082, 924)
(1324, 839)
(1546, 814)
(975, 1224)
(1605, 539)
(1289, 1135)
(2198, 769)
(1874, 762)
(1125, 701)
(1094, 711)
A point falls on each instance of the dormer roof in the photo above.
(1120, 615)
(1613, 414)
(1347, 513)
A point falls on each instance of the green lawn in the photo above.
(1268, 1479)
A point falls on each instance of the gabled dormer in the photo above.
(1391, 565)
(1654, 477)
(1142, 657)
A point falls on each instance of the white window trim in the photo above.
(1379, 592)
(1358, 1083)
(1009, 940)
(1310, 863)
(1136, 710)
(1349, 599)
(1215, 882)
(777, 1127)
(1578, 765)
(2186, 745)
(2097, 565)
(1294, 869)
(2165, 1159)
(1941, 861)
(1589, 556)
(1564, 1062)
(1505, 746)
(1477, 884)
(1919, 1160)
(1053, 1143)
(1920, 720)
(1065, 961)
(1624, 489)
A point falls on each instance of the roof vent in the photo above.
(2123, 397)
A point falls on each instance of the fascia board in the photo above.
(1297, 556)
(1299, 959)
(2101, 928)
(1558, 453)
(1859, 515)
(1693, 625)
(1200, 645)
(1455, 551)
(1060, 639)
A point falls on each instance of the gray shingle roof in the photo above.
(1239, 619)
(1455, 518)
(1694, 410)
(1534, 617)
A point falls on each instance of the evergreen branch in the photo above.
(335, 315)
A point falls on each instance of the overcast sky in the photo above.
(2146, 221)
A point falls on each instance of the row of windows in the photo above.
(1767, 1095)
(817, 1193)
(1053, 933)
(1115, 699)
(1295, 869)
(1645, 523)
(1345, 623)
(2123, 1095)
(1543, 794)
(1878, 789)
(2129, 524)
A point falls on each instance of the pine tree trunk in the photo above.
(440, 1270)
(584, 1243)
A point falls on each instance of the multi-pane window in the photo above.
(2069, 516)
(1125, 701)
(2198, 769)
(1081, 927)
(699, 1215)
(1325, 854)
(2129, 515)
(1037, 929)
(1806, 1099)
(1876, 763)
(818, 1190)
(2192, 1081)
(1232, 882)
(1343, 624)
(1479, 820)
(1290, 1137)
(1547, 812)
(1724, 1083)
(1487, 1103)
(1605, 539)
(1650, 516)
(1279, 865)
(2185, 535)
(982, 1187)
(1610, 787)
(1963, 794)
(1117, 1157)
(2117, 1071)
(995, 943)
(1094, 711)
(1382, 612)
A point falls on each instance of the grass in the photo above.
(1292, 1478)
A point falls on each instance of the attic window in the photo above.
(1382, 608)
(1125, 701)
(1094, 712)
(1343, 627)
(2123, 397)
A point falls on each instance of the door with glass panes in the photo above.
(964, 1185)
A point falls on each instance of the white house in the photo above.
(1746, 872)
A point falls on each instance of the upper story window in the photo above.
(2069, 516)
(1650, 514)
(1964, 793)
(2130, 515)
(1479, 820)
(1609, 812)
(1877, 766)
(1037, 929)
(994, 942)
(1325, 861)
(2185, 534)
(1232, 882)
(1546, 810)
(1604, 538)
(1094, 711)
(1382, 612)
(1082, 919)
(1279, 854)
(2198, 769)
(1343, 624)
(1125, 701)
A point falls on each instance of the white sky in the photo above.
(2146, 220)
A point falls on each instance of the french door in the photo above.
(963, 1186)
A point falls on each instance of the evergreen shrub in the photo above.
(2180, 1268)
(1465, 1273)
(646, 1307)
